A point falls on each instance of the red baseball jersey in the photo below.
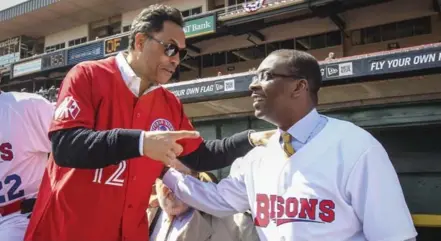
(108, 203)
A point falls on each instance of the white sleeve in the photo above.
(226, 198)
(40, 121)
(377, 198)
(141, 144)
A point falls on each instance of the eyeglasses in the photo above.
(266, 75)
(171, 49)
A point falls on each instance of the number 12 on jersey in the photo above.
(114, 179)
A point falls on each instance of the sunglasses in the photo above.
(171, 50)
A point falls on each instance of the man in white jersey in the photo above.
(318, 178)
(24, 148)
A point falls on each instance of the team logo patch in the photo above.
(68, 109)
(161, 125)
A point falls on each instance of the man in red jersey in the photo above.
(113, 130)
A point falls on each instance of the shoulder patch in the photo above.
(68, 109)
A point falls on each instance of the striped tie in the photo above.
(287, 146)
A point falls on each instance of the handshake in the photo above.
(162, 145)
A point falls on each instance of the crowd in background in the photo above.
(50, 94)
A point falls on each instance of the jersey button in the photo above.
(130, 206)
(282, 238)
(134, 178)
(138, 115)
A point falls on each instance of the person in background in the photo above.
(330, 56)
(172, 220)
(24, 147)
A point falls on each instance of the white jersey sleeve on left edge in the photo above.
(377, 198)
(39, 125)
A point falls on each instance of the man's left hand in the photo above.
(261, 138)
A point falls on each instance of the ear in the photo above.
(299, 87)
(139, 41)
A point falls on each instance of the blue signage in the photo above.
(352, 68)
(85, 52)
(395, 61)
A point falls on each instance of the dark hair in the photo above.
(304, 65)
(151, 20)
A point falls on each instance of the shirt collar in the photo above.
(185, 214)
(132, 81)
(181, 216)
(303, 129)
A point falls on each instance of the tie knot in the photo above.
(286, 137)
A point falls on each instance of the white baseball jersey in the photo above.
(340, 186)
(24, 144)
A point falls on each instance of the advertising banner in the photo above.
(340, 70)
(11, 48)
(425, 57)
(406, 61)
(8, 59)
(200, 26)
(210, 88)
(115, 45)
(27, 67)
(85, 52)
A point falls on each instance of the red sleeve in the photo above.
(74, 105)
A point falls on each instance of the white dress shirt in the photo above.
(161, 230)
(133, 82)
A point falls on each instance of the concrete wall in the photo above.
(66, 35)
(388, 12)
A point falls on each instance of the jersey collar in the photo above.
(132, 81)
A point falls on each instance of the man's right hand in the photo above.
(162, 146)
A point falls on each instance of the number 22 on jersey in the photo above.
(14, 182)
(114, 179)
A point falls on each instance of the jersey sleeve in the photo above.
(377, 198)
(42, 113)
(226, 198)
(74, 106)
(189, 145)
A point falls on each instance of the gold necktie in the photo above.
(287, 146)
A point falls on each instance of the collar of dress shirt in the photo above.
(303, 129)
(179, 217)
(185, 215)
(132, 81)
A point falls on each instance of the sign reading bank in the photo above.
(200, 26)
